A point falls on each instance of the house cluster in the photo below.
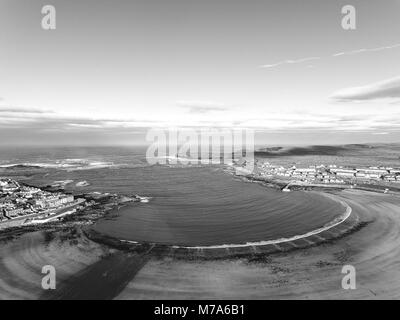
(330, 174)
(17, 200)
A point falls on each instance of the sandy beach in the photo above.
(310, 273)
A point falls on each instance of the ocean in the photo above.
(193, 206)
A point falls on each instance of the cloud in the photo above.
(344, 53)
(289, 62)
(201, 106)
(41, 127)
(387, 89)
(10, 109)
(338, 54)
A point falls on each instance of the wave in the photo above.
(82, 184)
(66, 164)
(61, 183)
(143, 199)
(180, 160)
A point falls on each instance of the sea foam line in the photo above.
(330, 225)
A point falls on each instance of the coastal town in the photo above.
(18, 201)
(322, 174)
(329, 174)
(21, 204)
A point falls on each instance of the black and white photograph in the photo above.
(199, 150)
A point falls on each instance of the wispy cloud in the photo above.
(289, 62)
(344, 53)
(41, 125)
(387, 89)
(201, 106)
(337, 54)
(10, 109)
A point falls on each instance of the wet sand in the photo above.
(22, 259)
(310, 273)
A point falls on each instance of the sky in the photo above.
(111, 70)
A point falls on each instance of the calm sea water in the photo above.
(188, 205)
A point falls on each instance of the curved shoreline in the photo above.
(326, 232)
(310, 273)
(329, 225)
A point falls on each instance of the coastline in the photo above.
(313, 272)
(291, 240)
(343, 225)
(310, 273)
(280, 184)
(152, 271)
